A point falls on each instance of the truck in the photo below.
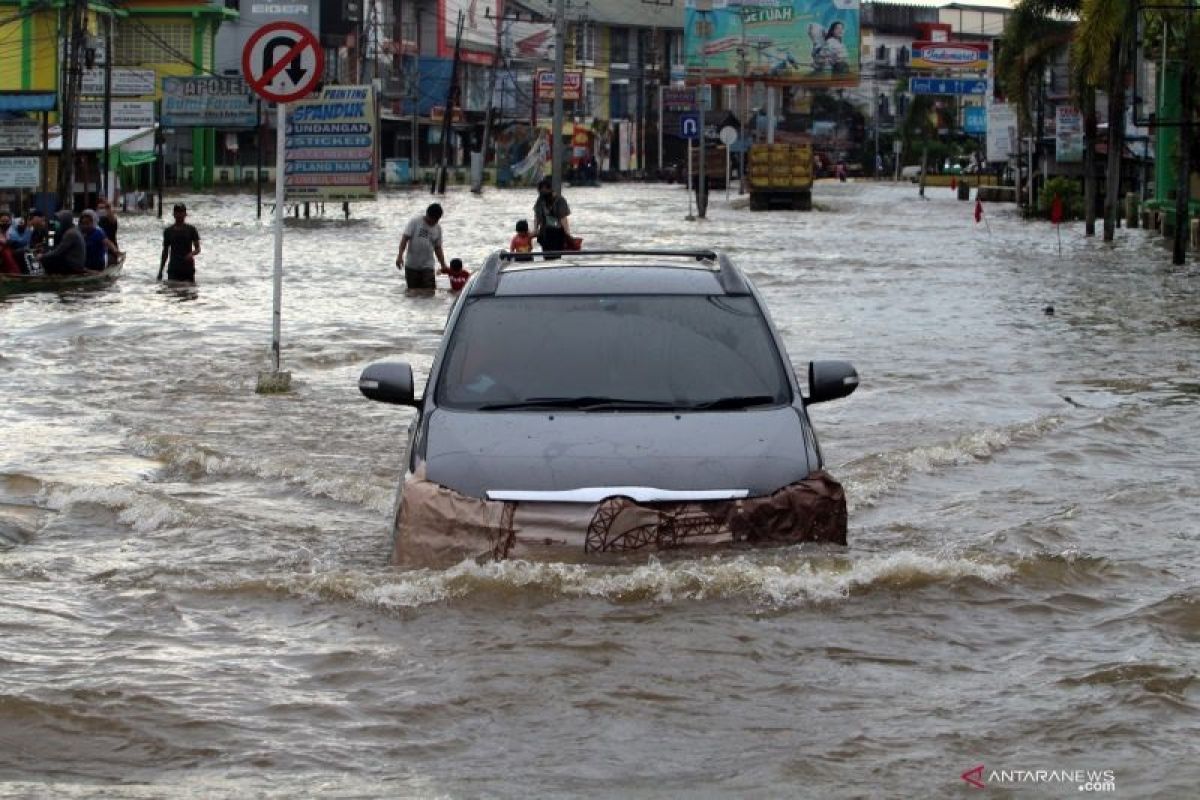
(781, 176)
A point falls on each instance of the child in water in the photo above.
(458, 275)
(522, 242)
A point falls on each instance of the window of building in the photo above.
(139, 40)
(618, 46)
(585, 44)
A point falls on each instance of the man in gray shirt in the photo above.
(423, 240)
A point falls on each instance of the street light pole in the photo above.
(560, 27)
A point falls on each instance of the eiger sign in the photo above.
(949, 55)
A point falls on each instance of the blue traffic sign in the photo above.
(948, 86)
(689, 125)
(975, 120)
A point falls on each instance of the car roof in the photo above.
(701, 272)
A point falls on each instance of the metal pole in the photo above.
(477, 188)
(560, 35)
(660, 132)
(259, 148)
(701, 181)
(277, 283)
(107, 98)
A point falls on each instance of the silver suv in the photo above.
(605, 402)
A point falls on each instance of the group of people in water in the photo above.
(30, 246)
(35, 244)
(421, 242)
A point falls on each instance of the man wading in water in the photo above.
(181, 244)
(422, 239)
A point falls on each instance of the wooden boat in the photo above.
(58, 283)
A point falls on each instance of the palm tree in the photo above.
(1100, 50)
(1037, 32)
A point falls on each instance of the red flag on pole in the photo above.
(978, 211)
(1056, 210)
(953, 184)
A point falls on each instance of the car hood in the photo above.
(757, 450)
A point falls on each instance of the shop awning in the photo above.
(91, 140)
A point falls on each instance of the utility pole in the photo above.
(560, 35)
(108, 57)
(451, 93)
(414, 84)
(69, 97)
(1184, 148)
(477, 184)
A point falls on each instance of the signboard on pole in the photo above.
(331, 146)
(975, 120)
(20, 134)
(282, 62)
(689, 125)
(572, 84)
(950, 55)
(20, 172)
(125, 82)
(967, 86)
(124, 114)
(1068, 134)
(1001, 128)
(208, 102)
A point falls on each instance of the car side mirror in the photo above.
(388, 382)
(829, 380)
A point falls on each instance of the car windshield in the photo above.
(612, 352)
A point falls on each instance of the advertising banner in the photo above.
(124, 114)
(1001, 131)
(330, 153)
(799, 42)
(125, 82)
(20, 172)
(1068, 134)
(572, 84)
(208, 102)
(965, 56)
(20, 134)
(479, 25)
(528, 41)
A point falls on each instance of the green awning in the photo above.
(135, 159)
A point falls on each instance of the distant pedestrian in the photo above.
(181, 245)
(878, 166)
(422, 239)
(550, 215)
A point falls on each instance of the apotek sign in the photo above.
(572, 85)
(202, 102)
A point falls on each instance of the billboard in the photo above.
(949, 55)
(1068, 134)
(1001, 131)
(479, 26)
(799, 42)
(20, 172)
(572, 84)
(208, 102)
(330, 153)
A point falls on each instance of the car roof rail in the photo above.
(729, 276)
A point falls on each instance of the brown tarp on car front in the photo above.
(437, 526)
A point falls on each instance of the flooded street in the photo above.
(195, 599)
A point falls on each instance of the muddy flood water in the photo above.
(195, 599)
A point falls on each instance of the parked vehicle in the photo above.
(606, 402)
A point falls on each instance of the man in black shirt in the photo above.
(181, 245)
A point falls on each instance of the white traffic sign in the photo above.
(282, 62)
(729, 135)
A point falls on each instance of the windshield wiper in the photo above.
(584, 403)
(733, 403)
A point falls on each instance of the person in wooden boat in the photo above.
(69, 254)
(181, 245)
(99, 250)
(107, 220)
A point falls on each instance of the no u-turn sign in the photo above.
(282, 62)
